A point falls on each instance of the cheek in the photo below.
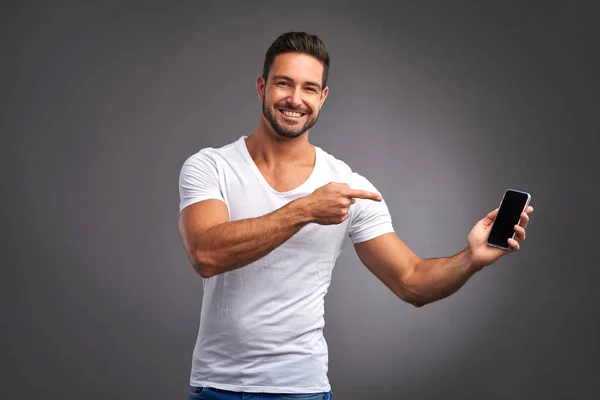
(277, 95)
(276, 99)
(315, 107)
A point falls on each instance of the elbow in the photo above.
(408, 289)
(409, 294)
(203, 264)
(417, 303)
(411, 299)
(204, 272)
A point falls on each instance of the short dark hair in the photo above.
(297, 42)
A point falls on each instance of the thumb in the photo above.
(489, 219)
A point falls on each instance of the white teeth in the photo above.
(291, 114)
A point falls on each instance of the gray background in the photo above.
(441, 105)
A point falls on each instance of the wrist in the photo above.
(300, 211)
(471, 261)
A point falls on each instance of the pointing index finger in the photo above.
(363, 194)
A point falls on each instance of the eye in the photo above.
(283, 83)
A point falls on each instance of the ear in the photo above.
(260, 87)
(324, 94)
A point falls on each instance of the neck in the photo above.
(268, 148)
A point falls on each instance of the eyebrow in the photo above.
(287, 78)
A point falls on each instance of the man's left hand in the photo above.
(483, 254)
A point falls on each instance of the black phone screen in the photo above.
(508, 216)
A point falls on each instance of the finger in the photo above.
(352, 200)
(514, 245)
(524, 220)
(529, 210)
(519, 233)
(489, 219)
(363, 194)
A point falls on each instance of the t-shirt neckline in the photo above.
(254, 167)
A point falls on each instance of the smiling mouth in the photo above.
(291, 114)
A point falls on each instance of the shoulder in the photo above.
(213, 155)
(343, 172)
(334, 164)
(215, 152)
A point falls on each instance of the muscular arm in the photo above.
(417, 281)
(214, 245)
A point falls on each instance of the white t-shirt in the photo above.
(261, 326)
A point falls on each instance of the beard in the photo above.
(290, 132)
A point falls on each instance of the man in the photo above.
(263, 220)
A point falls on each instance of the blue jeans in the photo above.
(205, 393)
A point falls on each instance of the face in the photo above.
(292, 96)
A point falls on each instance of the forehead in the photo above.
(300, 67)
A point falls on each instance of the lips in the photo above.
(291, 114)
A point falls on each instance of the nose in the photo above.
(295, 99)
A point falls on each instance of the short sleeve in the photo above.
(369, 218)
(199, 180)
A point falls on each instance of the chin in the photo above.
(287, 134)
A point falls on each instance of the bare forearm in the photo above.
(232, 245)
(436, 278)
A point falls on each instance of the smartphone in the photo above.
(513, 203)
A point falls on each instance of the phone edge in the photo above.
(514, 233)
